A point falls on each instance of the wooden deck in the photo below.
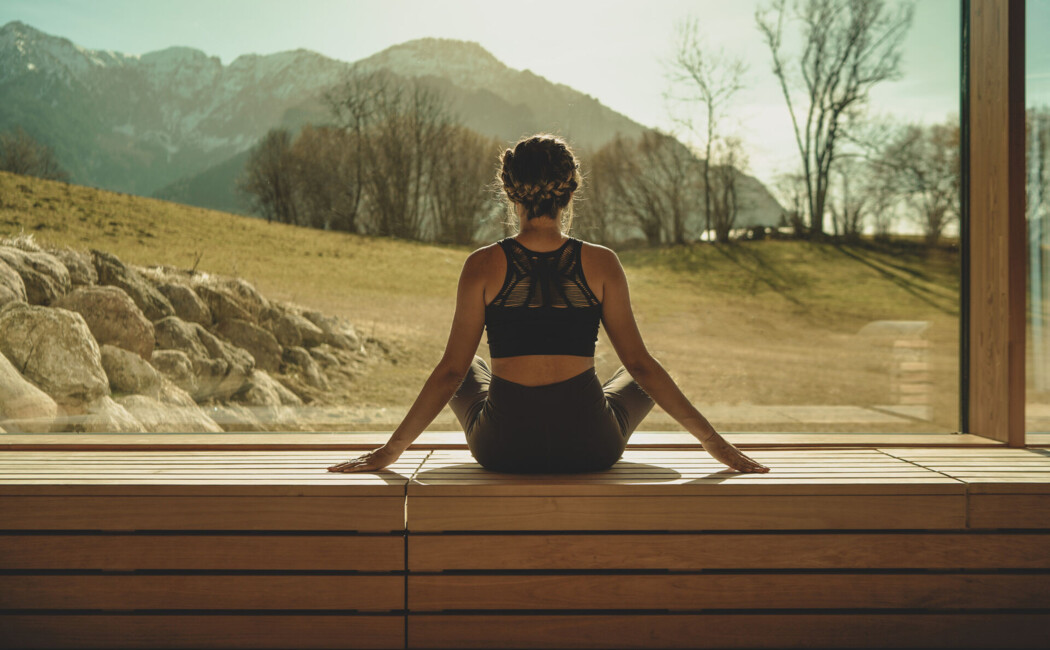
(846, 547)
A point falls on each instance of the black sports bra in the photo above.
(544, 305)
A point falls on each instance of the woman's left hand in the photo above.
(372, 461)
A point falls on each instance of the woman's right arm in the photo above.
(618, 317)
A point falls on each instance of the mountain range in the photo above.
(178, 124)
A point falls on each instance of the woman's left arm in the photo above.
(463, 339)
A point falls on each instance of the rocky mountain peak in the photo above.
(465, 63)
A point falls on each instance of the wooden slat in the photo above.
(746, 591)
(259, 488)
(178, 631)
(427, 513)
(656, 473)
(963, 630)
(362, 440)
(195, 473)
(697, 551)
(165, 591)
(119, 513)
(203, 552)
(1009, 510)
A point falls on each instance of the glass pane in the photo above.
(276, 237)
(1037, 154)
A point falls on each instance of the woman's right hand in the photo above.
(724, 452)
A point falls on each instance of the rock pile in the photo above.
(90, 344)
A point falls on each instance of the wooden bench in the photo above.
(837, 548)
(887, 547)
(200, 549)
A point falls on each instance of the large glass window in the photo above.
(1037, 211)
(260, 237)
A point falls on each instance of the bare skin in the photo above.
(481, 279)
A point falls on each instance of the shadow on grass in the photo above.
(920, 292)
(779, 278)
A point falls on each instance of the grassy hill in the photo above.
(759, 323)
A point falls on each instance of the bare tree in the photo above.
(323, 163)
(792, 190)
(459, 183)
(622, 173)
(669, 171)
(924, 165)
(402, 150)
(20, 153)
(355, 105)
(598, 212)
(849, 46)
(652, 179)
(268, 180)
(725, 200)
(708, 77)
(848, 199)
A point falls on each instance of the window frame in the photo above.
(991, 348)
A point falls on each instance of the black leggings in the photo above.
(575, 425)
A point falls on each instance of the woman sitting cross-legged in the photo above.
(541, 295)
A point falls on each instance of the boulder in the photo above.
(54, 349)
(177, 367)
(12, 288)
(24, 408)
(241, 292)
(167, 392)
(291, 329)
(337, 332)
(81, 270)
(173, 333)
(322, 354)
(264, 390)
(306, 366)
(222, 305)
(187, 304)
(112, 317)
(127, 371)
(260, 343)
(113, 272)
(219, 369)
(103, 415)
(45, 277)
(236, 362)
(157, 417)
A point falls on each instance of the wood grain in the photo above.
(697, 551)
(124, 552)
(121, 513)
(963, 630)
(186, 631)
(721, 591)
(997, 228)
(1009, 511)
(686, 513)
(165, 591)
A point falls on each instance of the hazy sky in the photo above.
(610, 49)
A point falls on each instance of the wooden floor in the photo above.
(849, 547)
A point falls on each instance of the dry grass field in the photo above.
(761, 335)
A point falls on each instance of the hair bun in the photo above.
(540, 173)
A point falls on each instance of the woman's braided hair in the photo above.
(540, 173)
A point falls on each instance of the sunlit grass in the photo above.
(769, 322)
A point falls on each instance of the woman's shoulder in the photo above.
(481, 260)
(600, 255)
